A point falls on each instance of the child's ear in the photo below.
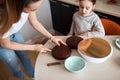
(93, 7)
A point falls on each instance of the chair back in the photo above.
(111, 27)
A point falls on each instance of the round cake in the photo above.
(73, 41)
(61, 52)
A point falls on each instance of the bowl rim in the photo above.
(111, 49)
(95, 59)
(83, 63)
(118, 45)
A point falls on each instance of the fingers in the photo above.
(44, 49)
(41, 48)
(59, 42)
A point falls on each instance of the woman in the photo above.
(13, 15)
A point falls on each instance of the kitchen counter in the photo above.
(101, 6)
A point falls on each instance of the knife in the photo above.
(55, 63)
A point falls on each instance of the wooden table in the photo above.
(108, 70)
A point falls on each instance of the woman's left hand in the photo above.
(58, 41)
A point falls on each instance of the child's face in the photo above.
(32, 7)
(86, 7)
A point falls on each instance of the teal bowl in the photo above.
(74, 64)
(117, 42)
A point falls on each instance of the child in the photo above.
(85, 21)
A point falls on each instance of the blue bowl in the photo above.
(74, 64)
(117, 42)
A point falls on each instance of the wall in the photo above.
(44, 16)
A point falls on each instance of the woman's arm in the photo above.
(38, 26)
(6, 43)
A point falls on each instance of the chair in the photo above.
(111, 28)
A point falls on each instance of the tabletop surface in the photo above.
(108, 70)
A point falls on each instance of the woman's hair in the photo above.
(93, 1)
(10, 12)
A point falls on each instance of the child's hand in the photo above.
(84, 34)
(94, 29)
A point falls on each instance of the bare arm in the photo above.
(36, 24)
(6, 43)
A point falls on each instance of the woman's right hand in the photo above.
(58, 41)
(41, 48)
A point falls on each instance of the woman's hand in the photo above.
(41, 48)
(69, 34)
(58, 41)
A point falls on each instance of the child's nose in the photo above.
(84, 10)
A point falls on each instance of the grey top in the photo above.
(81, 24)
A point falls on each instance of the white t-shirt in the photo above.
(16, 26)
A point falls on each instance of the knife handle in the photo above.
(53, 63)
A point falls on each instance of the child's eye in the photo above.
(87, 8)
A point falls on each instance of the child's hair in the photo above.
(93, 1)
(10, 12)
